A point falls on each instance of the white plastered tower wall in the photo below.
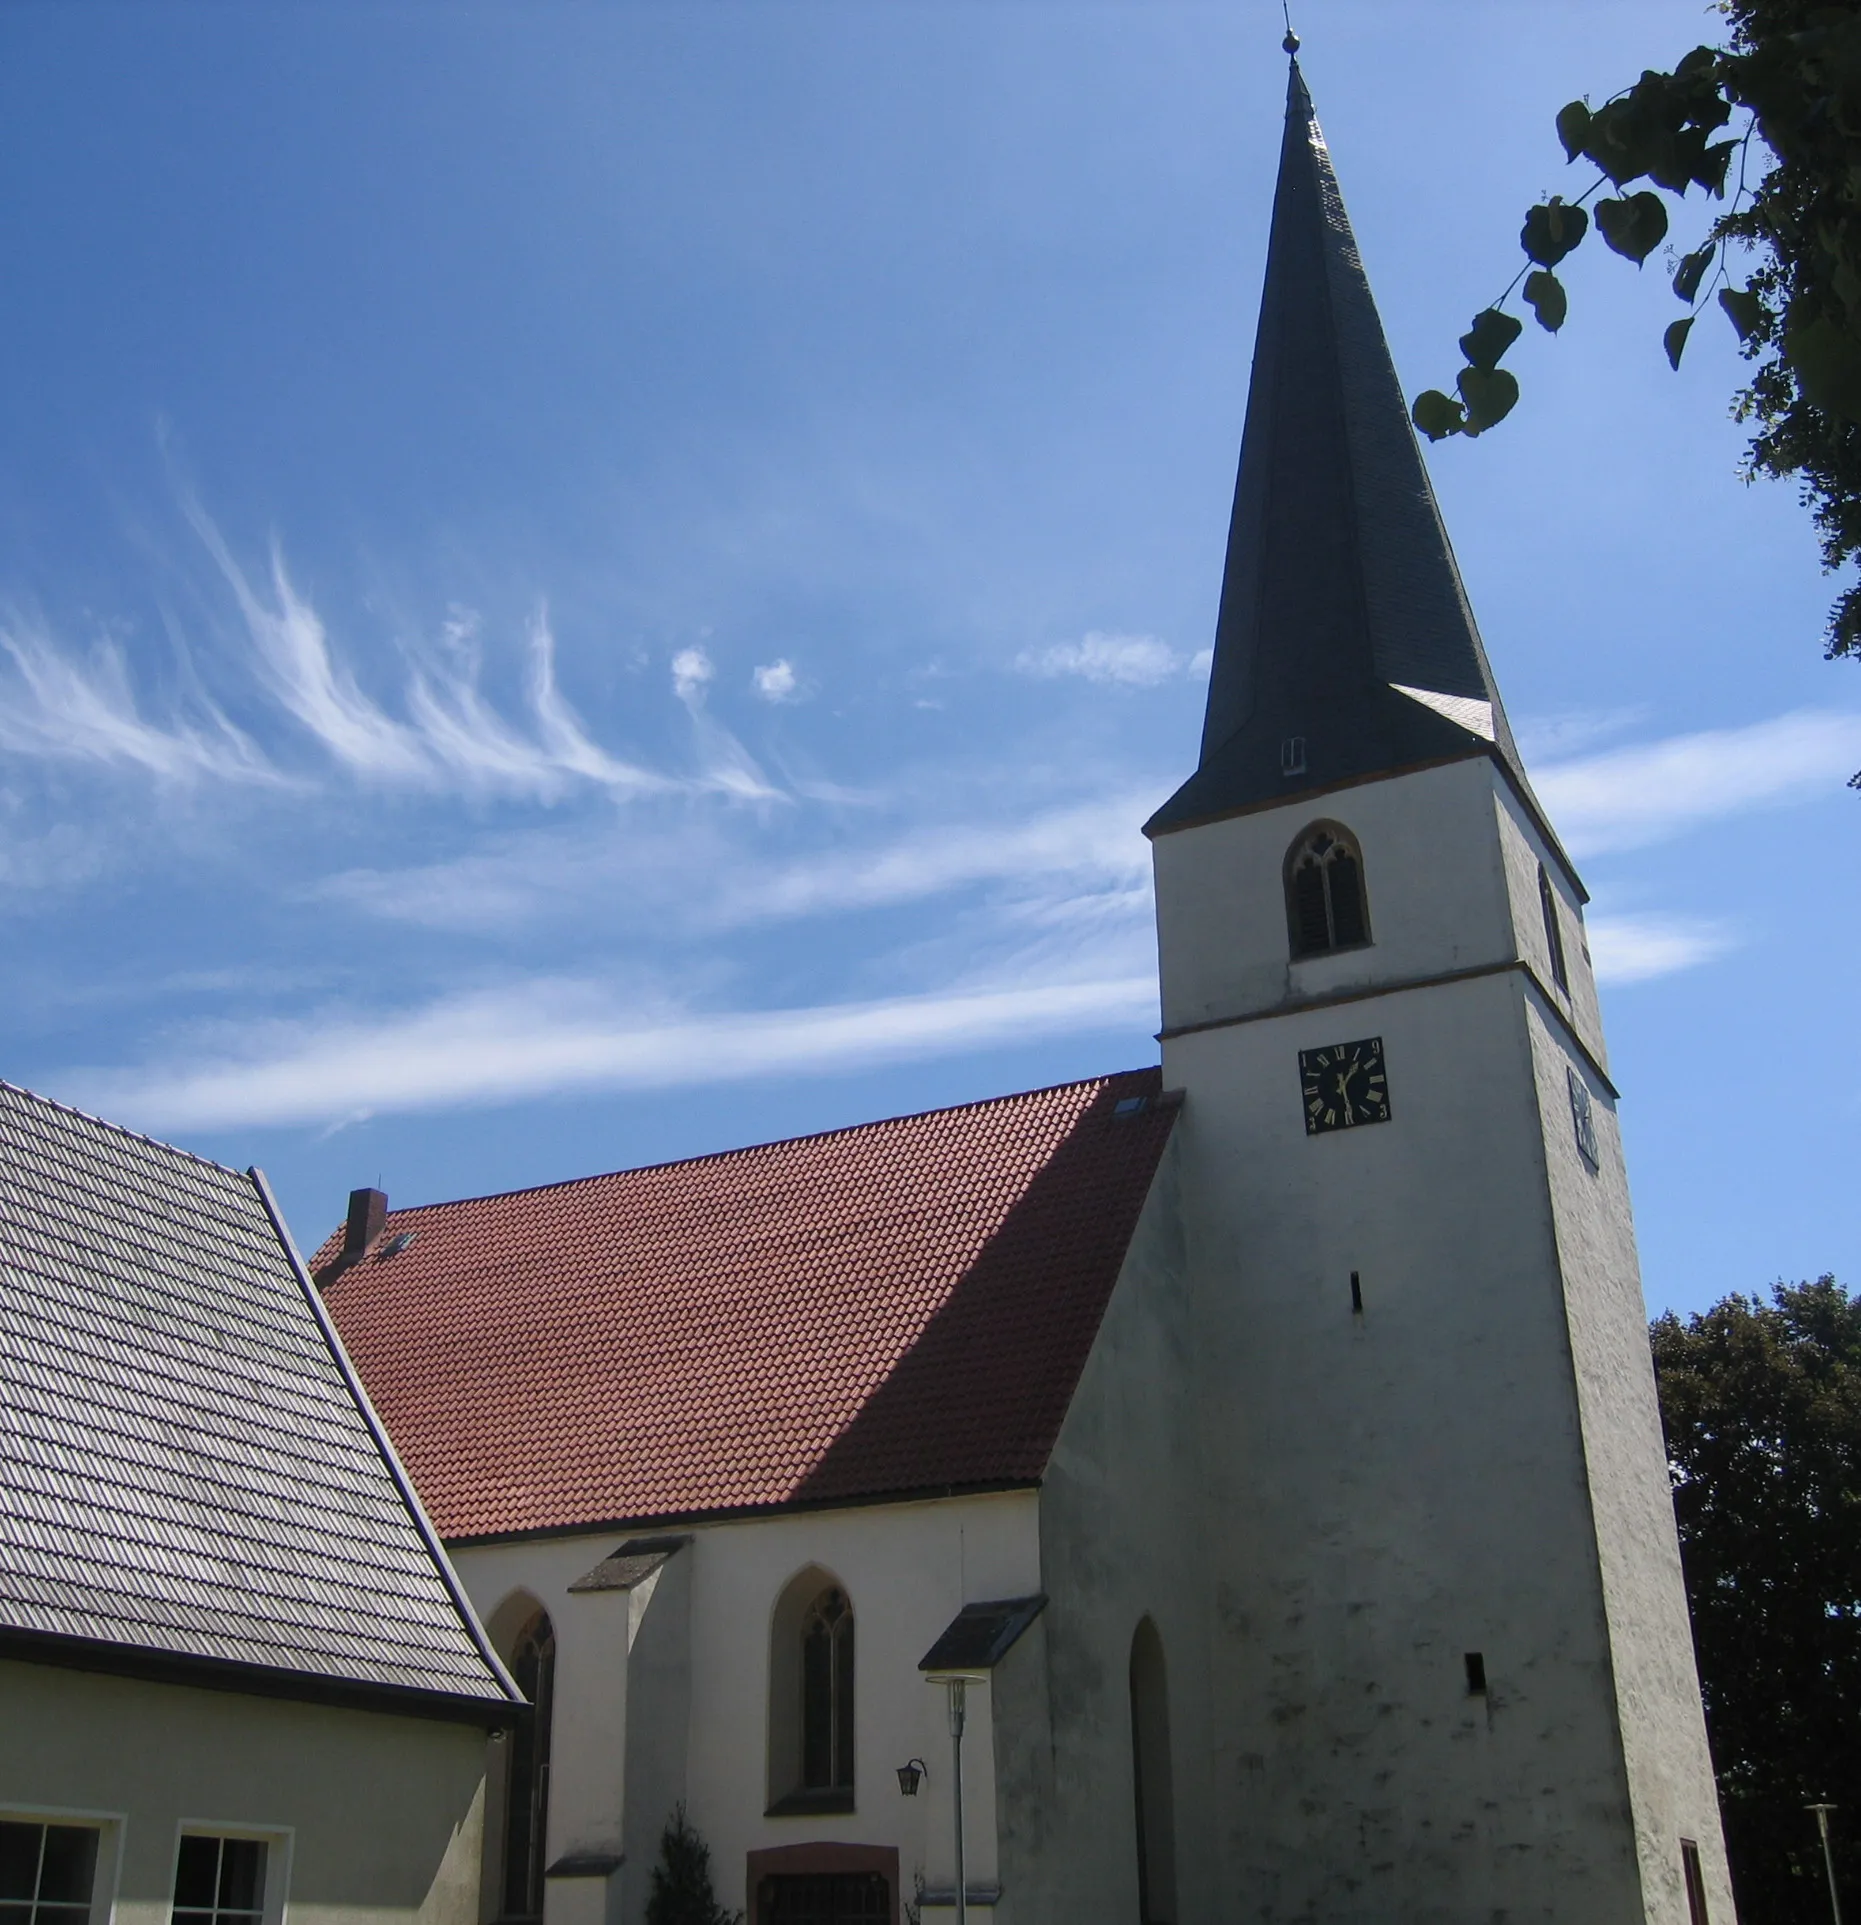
(1473, 1462)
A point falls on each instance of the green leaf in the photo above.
(1674, 340)
(1827, 360)
(1489, 337)
(1710, 169)
(1634, 227)
(1490, 394)
(1438, 415)
(1573, 126)
(1548, 300)
(1745, 309)
(1700, 61)
(1691, 272)
(1552, 231)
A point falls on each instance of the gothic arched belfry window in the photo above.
(1325, 907)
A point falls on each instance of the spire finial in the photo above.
(1291, 41)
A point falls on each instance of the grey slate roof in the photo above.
(981, 1635)
(1343, 620)
(190, 1484)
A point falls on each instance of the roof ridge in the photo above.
(773, 1142)
(118, 1129)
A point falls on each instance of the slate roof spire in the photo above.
(1345, 647)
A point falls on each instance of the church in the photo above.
(1231, 1489)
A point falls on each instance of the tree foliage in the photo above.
(1762, 1408)
(680, 1893)
(1769, 126)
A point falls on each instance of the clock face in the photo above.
(1344, 1084)
(1583, 1118)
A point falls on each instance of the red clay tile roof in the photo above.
(899, 1308)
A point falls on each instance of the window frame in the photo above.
(108, 1825)
(278, 1840)
(1341, 838)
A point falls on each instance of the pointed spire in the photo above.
(1344, 648)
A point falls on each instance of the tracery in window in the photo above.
(1553, 930)
(1325, 907)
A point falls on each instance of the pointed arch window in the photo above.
(811, 1717)
(1553, 930)
(526, 1808)
(1151, 1779)
(1325, 906)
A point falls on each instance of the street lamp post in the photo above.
(1828, 1856)
(958, 1711)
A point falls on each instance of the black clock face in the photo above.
(1344, 1084)
(1583, 1118)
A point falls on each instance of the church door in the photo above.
(824, 1898)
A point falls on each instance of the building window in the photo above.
(1151, 1779)
(827, 1695)
(1325, 908)
(526, 1797)
(1553, 930)
(811, 1701)
(47, 1873)
(220, 1881)
(1695, 1881)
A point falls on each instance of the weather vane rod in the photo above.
(1291, 41)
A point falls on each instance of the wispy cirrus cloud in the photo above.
(553, 1037)
(693, 878)
(1627, 798)
(1638, 948)
(1125, 661)
(85, 709)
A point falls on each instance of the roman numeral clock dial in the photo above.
(1344, 1084)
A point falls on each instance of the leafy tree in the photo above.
(1762, 1408)
(1770, 126)
(681, 1892)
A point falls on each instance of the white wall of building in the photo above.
(907, 1569)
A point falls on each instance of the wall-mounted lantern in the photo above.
(910, 1775)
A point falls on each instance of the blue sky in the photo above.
(587, 584)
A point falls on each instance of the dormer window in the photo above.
(1553, 930)
(1325, 908)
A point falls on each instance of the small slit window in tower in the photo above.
(1476, 1673)
(1696, 1882)
(1292, 755)
(1325, 907)
(1553, 930)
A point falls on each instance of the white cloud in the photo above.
(565, 740)
(552, 1037)
(691, 670)
(1129, 661)
(694, 875)
(65, 710)
(1633, 949)
(775, 681)
(1627, 798)
(1542, 738)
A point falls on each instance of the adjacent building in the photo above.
(237, 1677)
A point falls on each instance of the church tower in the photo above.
(1452, 1672)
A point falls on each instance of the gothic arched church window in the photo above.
(1325, 908)
(811, 1695)
(526, 1810)
(827, 1694)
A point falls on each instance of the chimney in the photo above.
(368, 1216)
(368, 1212)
